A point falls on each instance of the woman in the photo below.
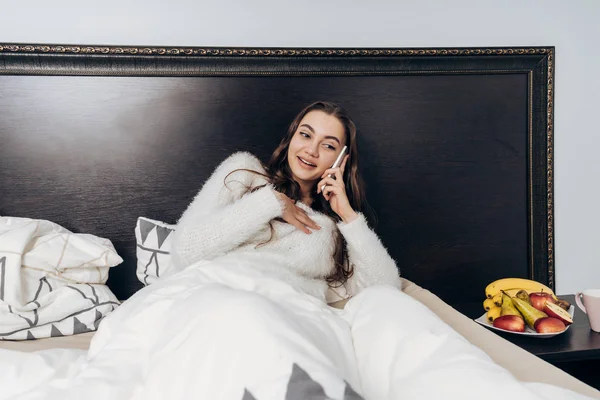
(316, 239)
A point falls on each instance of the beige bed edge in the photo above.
(80, 341)
(525, 366)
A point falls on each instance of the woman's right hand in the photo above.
(294, 215)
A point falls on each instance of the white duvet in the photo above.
(223, 330)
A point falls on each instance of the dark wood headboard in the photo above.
(455, 144)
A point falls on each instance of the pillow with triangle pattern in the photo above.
(153, 249)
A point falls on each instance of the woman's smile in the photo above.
(306, 164)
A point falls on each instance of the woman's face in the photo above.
(315, 146)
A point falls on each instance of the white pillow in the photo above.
(153, 249)
(33, 249)
(52, 280)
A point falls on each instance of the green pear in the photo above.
(523, 295)
(529, 312)
(508, 308)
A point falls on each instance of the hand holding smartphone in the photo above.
(338, 162)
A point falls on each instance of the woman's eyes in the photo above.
(307, 136)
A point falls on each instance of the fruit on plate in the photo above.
(488, 304)
(510, 293)
(493, 313)
(497, 299)
(529, 312)
(554, 310)
(539, 299)
(523, 295)
(511, 323)
(508, 308)
(564, 304)
(549, 325)
(507, 284)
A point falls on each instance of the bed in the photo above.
(456, 147)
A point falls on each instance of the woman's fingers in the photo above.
(301, 210)
(303, 223)
(298, 224)
(306, 220)
(338, 175)
(296, 216)
(331, 189)
(327, 192)
(322, 183)
(329, 182)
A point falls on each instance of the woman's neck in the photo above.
(307, 200)
(305, 196)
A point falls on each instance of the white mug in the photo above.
(590, 306)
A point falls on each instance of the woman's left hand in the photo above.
(335, 192)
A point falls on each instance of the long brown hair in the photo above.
(280, 176)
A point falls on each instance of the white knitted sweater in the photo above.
(226, 219)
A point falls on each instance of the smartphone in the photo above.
(338, 162)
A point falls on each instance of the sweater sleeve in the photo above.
(223, 214)
(372, 263)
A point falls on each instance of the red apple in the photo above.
(555, 311)
(539, 299)
(512, 323)
(549, 325)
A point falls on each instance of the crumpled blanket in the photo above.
(52, 281)
(224, 330)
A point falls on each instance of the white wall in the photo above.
(570, 25)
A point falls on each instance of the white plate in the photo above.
(528, 331)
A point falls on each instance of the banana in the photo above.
(488, 304)
(493, 313)
(497, 299)
(509, 284)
